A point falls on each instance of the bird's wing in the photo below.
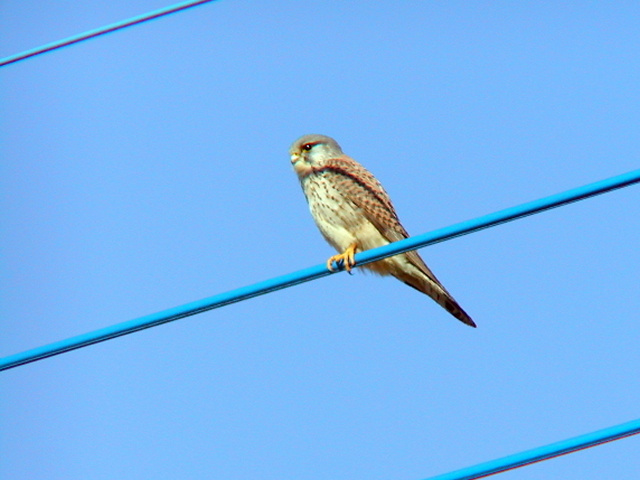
(364, 190)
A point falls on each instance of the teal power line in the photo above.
(543, 453)
(101, 31)
(318, 271)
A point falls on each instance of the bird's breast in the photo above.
(337, 217)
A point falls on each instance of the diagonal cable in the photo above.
(319, 271)
(545, 452)
(102, 30)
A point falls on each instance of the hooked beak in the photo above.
(295, 157)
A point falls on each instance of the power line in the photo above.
(543, 453)
(319, 271)
(102, 30)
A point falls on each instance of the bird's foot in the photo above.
(347, 258)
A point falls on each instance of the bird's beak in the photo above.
(295, 157)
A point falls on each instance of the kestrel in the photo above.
(354, 213)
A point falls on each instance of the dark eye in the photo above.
(307, 146)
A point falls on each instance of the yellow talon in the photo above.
(347, 257)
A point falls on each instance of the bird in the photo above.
(354, 213)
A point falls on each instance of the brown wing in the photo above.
(365, 191)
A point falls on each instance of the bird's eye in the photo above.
(307, 146)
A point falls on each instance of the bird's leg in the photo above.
(347, 257)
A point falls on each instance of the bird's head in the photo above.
(310, 152)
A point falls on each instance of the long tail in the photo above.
(423, 280)
(442, 298)
(411, 269)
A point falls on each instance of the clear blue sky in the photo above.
(149, 168)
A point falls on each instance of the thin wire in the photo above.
(101, 31)
(319, 271)
(543, 453)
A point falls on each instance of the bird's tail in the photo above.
(442, 298)
(411, 269)
(423, 280)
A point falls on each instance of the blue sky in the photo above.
(149, 168)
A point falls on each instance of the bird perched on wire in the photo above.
(354, 213)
